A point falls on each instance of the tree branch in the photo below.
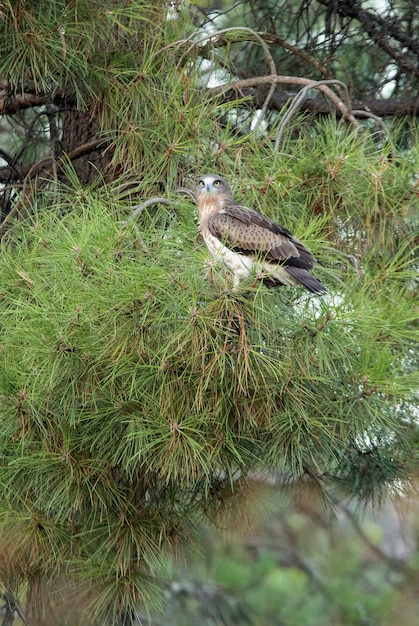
(388, 107)
(29, 188)
(11, 102)
(323, 86)
(379, 29)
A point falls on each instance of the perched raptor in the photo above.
(248, 242)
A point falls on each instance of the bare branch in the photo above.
(11, 102)
(139, 208)
(323, 86)
(393, 563)
(188, 193)
(300, 53)
(345, 108)
(217, 38)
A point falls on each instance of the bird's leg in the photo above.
(210, 264)
(259, 275)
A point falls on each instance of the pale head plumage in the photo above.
(212, 184)
(212, 193)
(248, 242)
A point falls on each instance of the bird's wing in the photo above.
(247, 231)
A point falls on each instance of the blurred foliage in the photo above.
(301, 568)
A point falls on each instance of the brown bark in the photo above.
(317, 105)
(79, 129)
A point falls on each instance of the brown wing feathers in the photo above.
(245, 230)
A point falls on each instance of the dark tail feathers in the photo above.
(305, 279)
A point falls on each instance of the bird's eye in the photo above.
(217, 183)
(201, 183)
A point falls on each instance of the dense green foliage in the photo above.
(135, 393)
(139, 392)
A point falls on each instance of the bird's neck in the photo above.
(208, 206)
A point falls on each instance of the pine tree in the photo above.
(140, 393)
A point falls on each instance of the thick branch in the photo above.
(11, 102)
(323, 86)
(20, 171)
(387, 107)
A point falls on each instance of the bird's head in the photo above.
(211, 184)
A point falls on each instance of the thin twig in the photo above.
(303, 54)
(351, 258)
(372, 116)
(187, 192)
(21, 613)
(214, 37)
(322, 85)
(139, 208)
(392, 562)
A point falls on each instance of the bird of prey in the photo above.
(248, 242)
